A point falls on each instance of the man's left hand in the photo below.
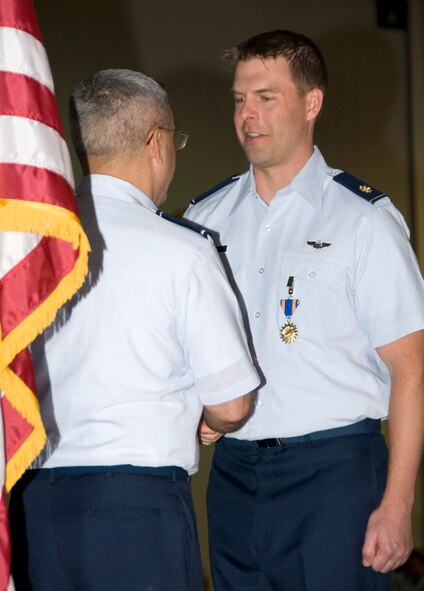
(388, 539)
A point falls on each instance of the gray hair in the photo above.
(112, 111)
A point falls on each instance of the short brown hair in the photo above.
(307, 66)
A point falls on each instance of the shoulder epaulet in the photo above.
(221, 185)
(358, 187)
(184, 223)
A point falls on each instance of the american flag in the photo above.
(43, 249)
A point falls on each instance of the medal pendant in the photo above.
(289, 305)
(288, 333)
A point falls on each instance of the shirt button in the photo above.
(258, 403)
(261, 270)
(268, 228)
(312, 273)
(257, 314)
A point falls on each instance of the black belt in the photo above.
(170, 472)
(362, 427)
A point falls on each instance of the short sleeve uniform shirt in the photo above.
(154, 334)
(355, 281)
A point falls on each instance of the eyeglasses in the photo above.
(180, 138)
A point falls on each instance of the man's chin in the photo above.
(257, 161)
(254, 156)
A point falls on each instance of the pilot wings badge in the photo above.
(318, 244)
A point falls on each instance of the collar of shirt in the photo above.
(308, 183)
(113, 188)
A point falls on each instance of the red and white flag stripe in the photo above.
(43, 249)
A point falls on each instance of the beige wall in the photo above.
(364, 128)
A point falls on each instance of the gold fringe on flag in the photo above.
(25, 402)
(46, 220)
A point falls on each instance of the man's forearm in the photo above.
(388, 538)
(228, 416)
(406, 424)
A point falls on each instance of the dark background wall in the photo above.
(365, 127)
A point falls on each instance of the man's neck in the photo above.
(272, 179)
(132, 171)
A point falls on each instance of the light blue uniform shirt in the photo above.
(153, 335)
(364, 289)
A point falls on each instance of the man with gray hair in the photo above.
(133, 365)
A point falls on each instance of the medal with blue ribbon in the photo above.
(289, 332)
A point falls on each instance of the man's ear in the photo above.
(156, 145)
(314, 100)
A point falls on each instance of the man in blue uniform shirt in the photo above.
(303, 497)
(153, 342)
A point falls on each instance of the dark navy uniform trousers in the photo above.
(293, 517)
(111, 529)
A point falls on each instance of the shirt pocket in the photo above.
(320, 285)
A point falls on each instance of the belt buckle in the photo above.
(268, 443)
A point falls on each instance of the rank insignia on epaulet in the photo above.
(184, 223)
(358, 187)
(221, 185)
